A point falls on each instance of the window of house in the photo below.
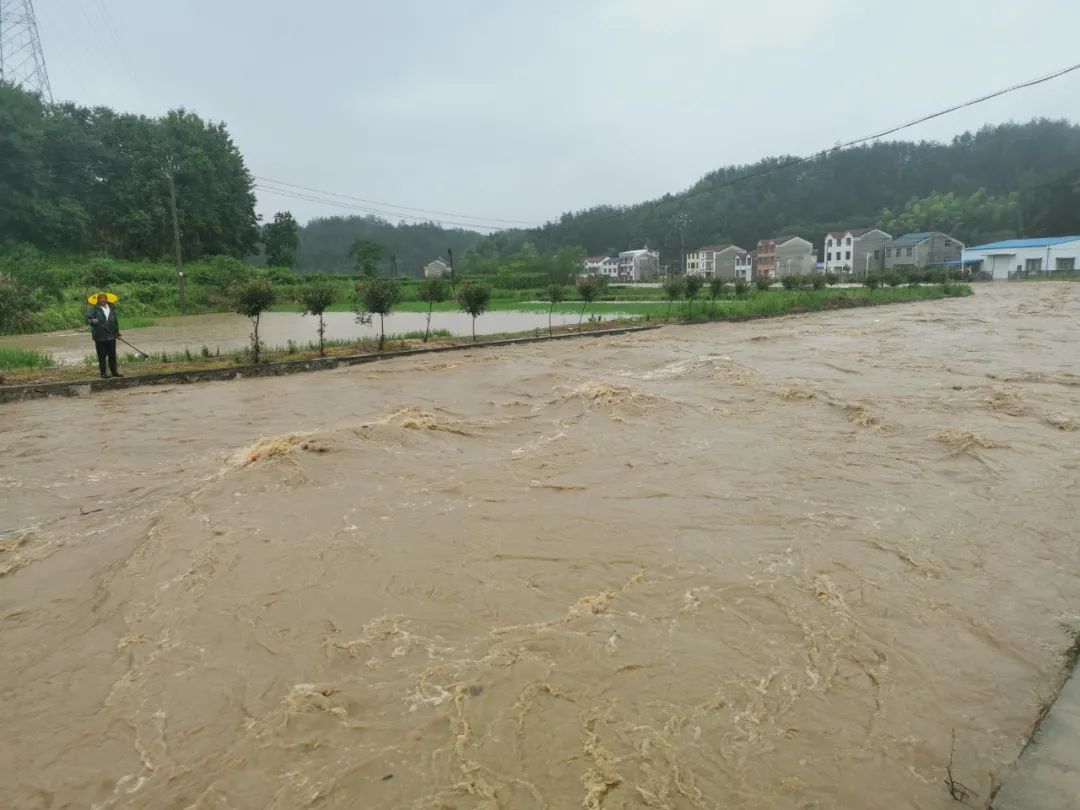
(888, 252)
(908, 252)
(876, 253)
(828, 243)
(848, 256)
(1033, 265)
(828, 257)
(948, 243)
(1065, 265)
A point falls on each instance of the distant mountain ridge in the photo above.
(1038, 160)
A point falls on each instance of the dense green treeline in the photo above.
(92, 180)
(325, 244)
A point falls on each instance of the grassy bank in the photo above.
(12, 357)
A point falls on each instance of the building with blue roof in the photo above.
(1020, 258)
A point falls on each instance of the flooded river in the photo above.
(227, 332)
(763, 565)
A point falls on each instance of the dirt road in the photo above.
(765, 565)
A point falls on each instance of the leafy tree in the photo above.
(716, 288)
(432, 291)
(556, 293)
(673, 288)
(790, 282)
(315, 298)
(831, 278)
(281, 238)
(817, 281)
(872, 281)
(378, 297)
(587, 288)
(366, 255)
(691, 287)
(252, 298)
(474, 298)
(740, 288)
(79, 180)
(762, 283)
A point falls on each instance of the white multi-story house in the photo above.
(1016, 258)
(593, 265)
(720, 261)
(639, 265)
(856, 250)
(744, 266)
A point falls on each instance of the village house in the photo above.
(436, 269)
(925, 249)
(715, 261)
(784, 256)
(856, 250)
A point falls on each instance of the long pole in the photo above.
(176, 238)
(453, 278)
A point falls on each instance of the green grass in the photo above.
(14, 357)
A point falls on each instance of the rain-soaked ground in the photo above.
(764, 565)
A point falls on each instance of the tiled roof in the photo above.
(914, 238)
(852, 231)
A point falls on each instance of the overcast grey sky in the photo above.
(523, 110)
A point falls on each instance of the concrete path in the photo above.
(1047, 776)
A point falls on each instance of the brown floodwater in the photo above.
(764, 565)
(227, 332)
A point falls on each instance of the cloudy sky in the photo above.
(502, 110)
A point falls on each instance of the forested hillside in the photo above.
(325, 243)
(1008, 180)
(82, 180)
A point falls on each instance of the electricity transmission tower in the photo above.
(21, 61)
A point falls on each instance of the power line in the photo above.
(824, 152)
(310, 194)
(393, 205)
(296, 195)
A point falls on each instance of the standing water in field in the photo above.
(763, 565)
(229, 332)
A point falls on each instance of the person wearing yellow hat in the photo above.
(105, 329)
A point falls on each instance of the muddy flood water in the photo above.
(763, 565)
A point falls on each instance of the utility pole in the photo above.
(393, 265)
(170, 174)
(453, 278)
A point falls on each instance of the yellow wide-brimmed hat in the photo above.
(112, 298)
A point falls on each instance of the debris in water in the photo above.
(1006, 402)
(962, 441)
